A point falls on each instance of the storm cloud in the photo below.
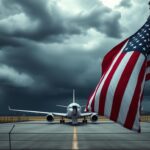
(49, 47)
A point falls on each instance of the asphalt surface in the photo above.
(101, 135)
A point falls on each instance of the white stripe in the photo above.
(96, 106)
(90, 102)
(129, 92)
(114, 82)
(136, 124)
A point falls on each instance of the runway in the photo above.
(101, 135)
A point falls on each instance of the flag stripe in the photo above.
(114, 83)
(90, 105)
(97, 100)
(135, 100)
(126, 100)
(123, 81)
(107, 83)
(110, 56)
(136, 125)
(90, 101)
(93, 102)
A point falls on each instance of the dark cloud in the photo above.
(31, 72)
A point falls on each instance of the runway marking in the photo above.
(75, 139)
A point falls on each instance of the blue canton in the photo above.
(140, 41)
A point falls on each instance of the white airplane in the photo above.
(73, 113)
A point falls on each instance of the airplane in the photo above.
(73, 113)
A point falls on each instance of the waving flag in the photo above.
(125, 69)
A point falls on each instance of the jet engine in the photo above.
(94, 118)
(50, 118)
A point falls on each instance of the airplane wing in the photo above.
(87, 114)
(29, 111)
(39, 112)
(59, 114)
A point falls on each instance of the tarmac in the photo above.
(101, 135)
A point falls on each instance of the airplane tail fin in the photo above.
(73, 95)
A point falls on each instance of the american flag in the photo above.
(125, 69)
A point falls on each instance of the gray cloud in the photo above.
(35, 20)
(108, 23)
(126, 4)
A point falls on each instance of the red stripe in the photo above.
(110, 56)
(93, 101)
(104, 90)
(135, 99)
(147, 77)
(122, 84)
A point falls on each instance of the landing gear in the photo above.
(84, 120)
(62, 120)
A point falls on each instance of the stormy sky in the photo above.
(49, 47)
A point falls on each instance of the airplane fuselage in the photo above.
(73, 112)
